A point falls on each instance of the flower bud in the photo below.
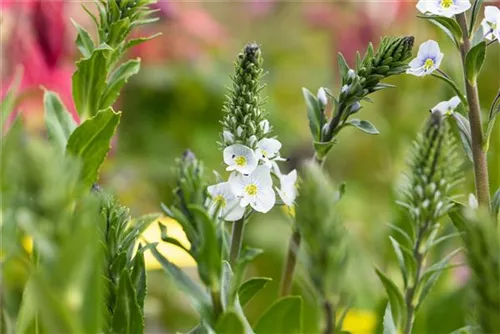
(239, 131)
(252, 141)
(228, 137)
(355, 107)
(264, 126)
(322, 98)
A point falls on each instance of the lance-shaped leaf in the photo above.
(127, 315)
(83, 41)
(117, 80)
(284, 316)
(89, 81)
(60, 124)
(363, 125)
(396, 299)
(474, 60)
(250, 288)
(389, 325)
(476, 7)
(314, 114)
(465, 134)
(91, 142)
(448, 25)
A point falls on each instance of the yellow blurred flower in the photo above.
(360, 322)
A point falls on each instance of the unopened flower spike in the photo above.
(447, 8)
(446, 108)
(491, 23)
(428, 59)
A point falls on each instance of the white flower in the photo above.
(228, 136)
(322, 98)
(428, 59)
(446, 8)
(267, 149)
(288, 190)
(240, 158)
(255, 189)
(491, 22)
(446, 108)
(264, 126)
(473, 204)
(224, 200)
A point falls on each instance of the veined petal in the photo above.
(262, 177)
(264, 201)
(233, 212)
(267, 148)
(237, 183)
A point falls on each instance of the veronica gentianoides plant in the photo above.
(434, 167)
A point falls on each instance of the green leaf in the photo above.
(250, 288)
(91, 142)
(453, 86)
(474, 60)
(117, 80)
(389, 325)
(343, 66)
(314, 114)
(198, 297)
(230, 323)
(9, 101)
(284, 316)
(89, 81)
(396, 299)
(492, 115)
(448, 25)
(363, 125)
(476, 7)
(138, 278)
(495, 204)
(60, 124)
(127, 315)
(83, 41)
(401, 260)
(136, 41)
(322, 148)
(465, 134)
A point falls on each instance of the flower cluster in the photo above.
(250, 153)
(446, 8)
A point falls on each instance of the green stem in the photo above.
(236, 241)
(216, 303)
(291, 261)
(329, 317)
(478, 153)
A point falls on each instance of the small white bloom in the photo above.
(239, 131)
(240, 158)
(224, 200)
(251, 141)
(473, 204)
(228, 136)
(351, 74)
(255, 189)
(322, 98)
(428, 59)
(345, 88)
(446, 108)
(267, 149)
(446, 8)
(288, 190)
(264, 126)
(491, 22)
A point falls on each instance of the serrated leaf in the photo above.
(284, 316)
(396, 299)
(448, 25)
(314, 114)
(389, 325)
(117, 80)
(230, 323)
(476, 7)
(127, 315)
(83, 41)
(198, 297)
(60, 124)
(251, 287)
(474, 61)
(465, 134)
(91, 142)
(363, 125)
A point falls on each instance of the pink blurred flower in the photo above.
(38, 43)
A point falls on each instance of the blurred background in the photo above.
(174, 104)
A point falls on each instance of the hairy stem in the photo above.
(236, 241)
(329, 317)
(291, 261)
(478, 153)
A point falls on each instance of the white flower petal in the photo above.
(262, 177)
(235, 212)
(264, 201)
(322, 98)
(237, 183)
(454, 102)
(240, 158)
(447, 107)
(288, 191)
(491, 13)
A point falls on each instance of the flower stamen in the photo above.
(429, 63)
(251, 189)
(241, 161)
(446, 3)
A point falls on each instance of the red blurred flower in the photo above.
(38, 43)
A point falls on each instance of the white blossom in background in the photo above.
(224, 200)
(267, 150)
(240, 158)
(491, 23)
(447, 8)
(446, 108)
(428, 59)
(255, 189)
(288, 188)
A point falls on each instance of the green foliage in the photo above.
(250, 288)
(91, 142)
(474, 61)
(284, 316)
(448, 25)
(476, 7)
(315, 114)
(9, 99)
(434, 174)
(243, 111)
(230, 323)
(58, 120)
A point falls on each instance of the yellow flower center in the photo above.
(428, 64)
(446, 3)
(241, 161)
(220, 201)
(251, 189)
